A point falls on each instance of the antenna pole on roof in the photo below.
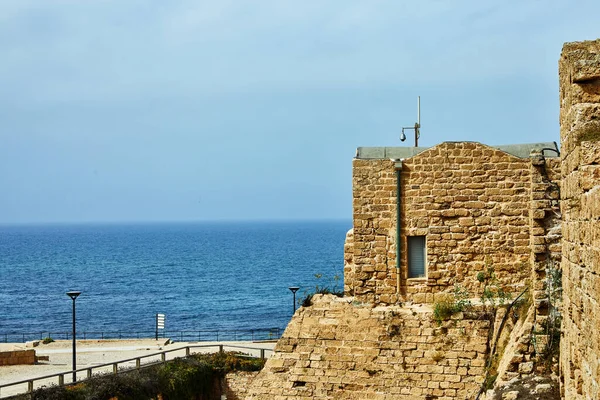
(417, 126)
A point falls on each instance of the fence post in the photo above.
(163, 356)
(137, 363)
(187, 351)
(89, 373)
(220, 348)
(61, 379)
(115, 368)
(262, 354)
(29, 386)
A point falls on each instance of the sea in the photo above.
(208, 278)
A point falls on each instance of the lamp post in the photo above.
(294, 289)
(73, 295)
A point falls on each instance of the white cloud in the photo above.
(61, 50)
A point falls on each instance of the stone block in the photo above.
(526, 367)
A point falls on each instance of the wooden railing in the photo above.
(89, 371)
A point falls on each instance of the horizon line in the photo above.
(165, 222)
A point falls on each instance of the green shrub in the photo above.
(197, 376)
(493, 293)
(457, 302)
(331, 286)
(47, 340)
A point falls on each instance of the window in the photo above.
(416, 257)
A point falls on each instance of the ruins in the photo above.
(429, 223)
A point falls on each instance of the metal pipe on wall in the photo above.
(398, 225)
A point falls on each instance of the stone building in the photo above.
(462, 207)
(579, 74)
(427, 219)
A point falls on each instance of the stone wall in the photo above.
(476, 206)
(349, 267)
(17, 357)
(546, 235)
(336, 349)
(579, 74)
(370, 259)
(236, 384)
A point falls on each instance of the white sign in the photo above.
(160, 321)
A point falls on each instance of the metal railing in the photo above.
(89, 371)
(213, 335)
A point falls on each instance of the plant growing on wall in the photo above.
(324, 286)
(493, 293)
(547, 341)
(454, 303)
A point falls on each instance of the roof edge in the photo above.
(549, 149)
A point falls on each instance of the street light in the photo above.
(73, 295)
(294, 289)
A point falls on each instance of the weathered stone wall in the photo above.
(372, 274)
(546, 235)
(476, 206)
(579, 74)
(17, 357)
(236, 384)
(349, 267)
(336, 349)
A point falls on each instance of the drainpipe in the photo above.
(398, 220)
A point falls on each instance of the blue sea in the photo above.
(205, 277)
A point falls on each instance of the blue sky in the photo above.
(247, 110)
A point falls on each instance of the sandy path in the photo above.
(91, 353)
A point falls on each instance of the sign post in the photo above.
(160, 323)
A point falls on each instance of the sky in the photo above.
(144, 111)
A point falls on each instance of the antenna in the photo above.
(417, 126)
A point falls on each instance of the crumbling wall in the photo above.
(349, 266)
(236, 384)
(546, 235)
(579, 75)
(336, 349)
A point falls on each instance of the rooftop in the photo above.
(549, 149)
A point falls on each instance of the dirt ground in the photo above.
(92, 353)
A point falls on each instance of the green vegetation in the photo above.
(547, 341)
(47, 340)
(493, 294)
(195, 377)
(444, 309)
(331, 286)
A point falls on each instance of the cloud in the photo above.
(71, 51)
(79, 51)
